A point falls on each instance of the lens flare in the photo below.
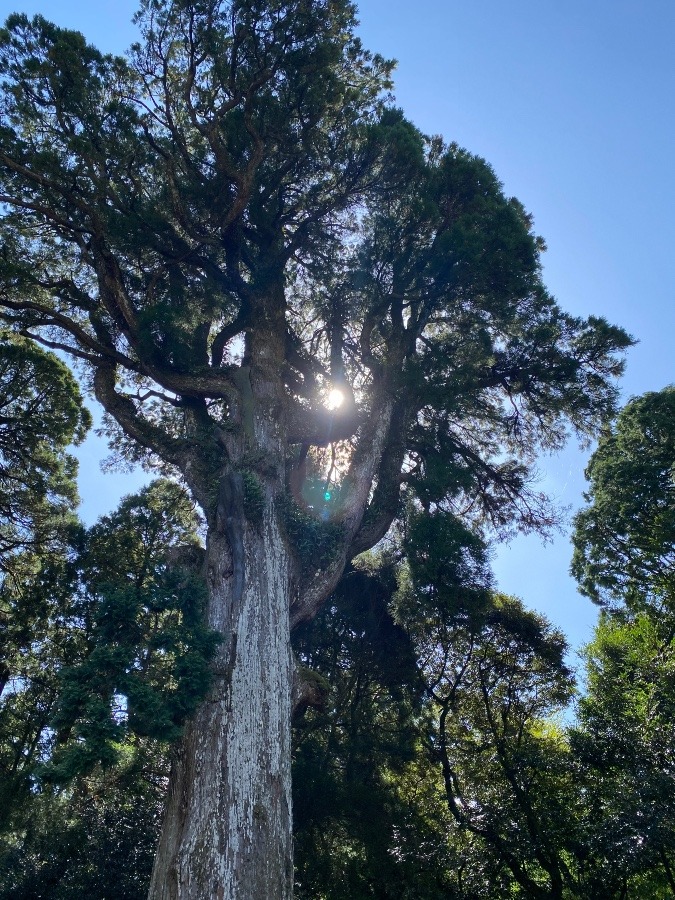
(335, 399)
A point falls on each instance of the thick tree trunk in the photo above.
(227, 832)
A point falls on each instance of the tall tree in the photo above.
(227, 230)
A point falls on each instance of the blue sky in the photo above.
(572, 104)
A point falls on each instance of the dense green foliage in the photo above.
(95, 839)
(624, 554)
(107, 646)
(221, 228)
(141, 595)
(626, 749)
(41, 413)
(437, 766)
(624, 549)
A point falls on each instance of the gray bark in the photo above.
(227, 831)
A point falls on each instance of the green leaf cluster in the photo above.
(147, 661)
(316, 540)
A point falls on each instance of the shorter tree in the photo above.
(494, 687)
(41, 415)
(110, 651)
(140, 595)
(624, 541)
(94, 839)
(364, 805)
(624, 559)
(624, 749)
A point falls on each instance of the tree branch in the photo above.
(122, 409)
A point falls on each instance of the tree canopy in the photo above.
(152, 203)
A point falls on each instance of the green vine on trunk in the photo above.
(315, 542)
(254, 497)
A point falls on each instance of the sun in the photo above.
(335, 399)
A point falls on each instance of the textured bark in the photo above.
(228, 832)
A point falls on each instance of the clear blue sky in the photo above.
(572, 104)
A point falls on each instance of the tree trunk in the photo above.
(227, 831)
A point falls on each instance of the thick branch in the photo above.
(384, 506)
(122, 409)
(51, 318)
(229, 331)
(356, 489)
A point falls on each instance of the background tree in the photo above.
(624, 748)
(624, 559)
(222, 229)
(95, 838)
(495, 679)
(41, 414)
(364, 819)
(506, 769)
(625, 539)
(114, 653)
